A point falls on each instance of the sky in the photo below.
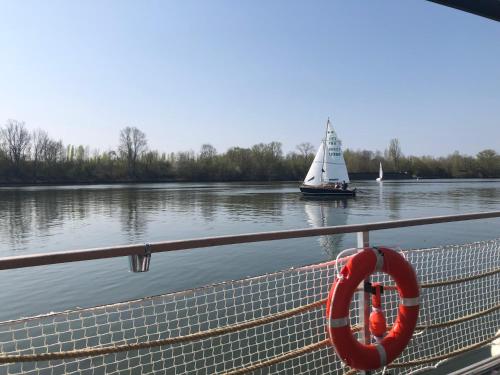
(236, 73)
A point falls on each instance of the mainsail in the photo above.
(380, 172)
(329, 166)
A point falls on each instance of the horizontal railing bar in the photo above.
(158, 247)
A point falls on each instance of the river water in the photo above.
(48, 219)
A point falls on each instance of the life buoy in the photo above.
(372, 356)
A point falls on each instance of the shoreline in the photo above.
(128, 182)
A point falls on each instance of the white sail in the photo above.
(316, 172)
(380, 173)
(328, 167)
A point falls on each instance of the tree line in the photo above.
(35, 157)
(485, 164)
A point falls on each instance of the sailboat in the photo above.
(327, 175)
(380, 174)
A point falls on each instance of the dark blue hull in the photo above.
(326, 191)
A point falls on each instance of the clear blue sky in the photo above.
(242, 72)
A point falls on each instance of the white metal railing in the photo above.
(167, 246)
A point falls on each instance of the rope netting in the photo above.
(268, 324)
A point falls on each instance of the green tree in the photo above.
(489, 163)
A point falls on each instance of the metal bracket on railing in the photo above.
(140, 262)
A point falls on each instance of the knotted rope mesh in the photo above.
(268, 324)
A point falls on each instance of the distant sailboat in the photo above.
(328, 172)
(380, 173)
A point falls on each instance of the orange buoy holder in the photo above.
(389, 345)
(377, 321)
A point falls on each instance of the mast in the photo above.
(323, 169)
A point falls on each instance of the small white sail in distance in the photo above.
(380, 173)
(328, 167)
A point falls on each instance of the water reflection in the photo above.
(393, 201)
(489, 195)
(208, 206)
(134, 212)
(17, 217)
(60, 213)
(325, 213)
(266, 207)
(61, 218)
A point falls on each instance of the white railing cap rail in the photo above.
(158, 247)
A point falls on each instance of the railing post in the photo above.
(364, 297)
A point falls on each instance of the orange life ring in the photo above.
(357, 269)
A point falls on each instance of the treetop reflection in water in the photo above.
(61, 218)
(127, 211)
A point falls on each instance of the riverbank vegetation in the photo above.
(34, 157)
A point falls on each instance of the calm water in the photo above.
(46, 219)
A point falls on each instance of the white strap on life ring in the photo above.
(380, 259)
(408, 302)
(382, 355)
(339, 322)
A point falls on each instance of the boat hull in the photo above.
(326, 191)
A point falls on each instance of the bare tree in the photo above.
(207, 151)
(276, 149)
(39, 141)
(305, 149)
(16, 139)
(54, 151)
(394, 152)
(133, 144)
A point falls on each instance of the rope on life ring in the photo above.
(389, 345)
